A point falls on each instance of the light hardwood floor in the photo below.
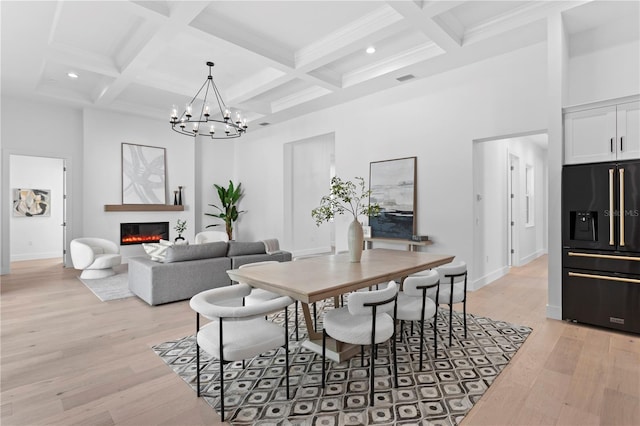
(67, 358)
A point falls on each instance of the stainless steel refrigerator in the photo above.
(601, 244)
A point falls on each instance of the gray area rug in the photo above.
(110, 288)
(441, 394)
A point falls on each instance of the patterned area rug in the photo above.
(441, 394)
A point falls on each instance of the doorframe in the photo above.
(5, 193)
(513, 205)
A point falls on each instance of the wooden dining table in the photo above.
(313, 279)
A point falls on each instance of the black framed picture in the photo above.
(392, 185)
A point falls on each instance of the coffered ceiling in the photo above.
(274, 60)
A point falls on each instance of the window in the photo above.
(528, 195)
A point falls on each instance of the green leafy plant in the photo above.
(229, 212)
(345, 196)
(181, 226)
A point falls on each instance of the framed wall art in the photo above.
(392, 185)
(143, 174)
(31, 202)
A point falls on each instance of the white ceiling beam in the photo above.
(182, 14)
(81, 59)
(518, 17)
(424, 23)
(434, 8)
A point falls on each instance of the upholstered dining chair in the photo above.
(211, 237)
(364, 321)
(259, 295)
(452, 290)
(414, 305)
(237, 332)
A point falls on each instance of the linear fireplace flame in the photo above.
(144, 232)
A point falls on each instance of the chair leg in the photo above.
(450, 322)
(371, 381)
(435, 335)
(464, 311)
(197, 356)
(395, 361)
(324, 353)
(221, 390)
(286, 342)
(315, 317)
(296, 315)
(421, 343)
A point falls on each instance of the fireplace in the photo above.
(144, 232)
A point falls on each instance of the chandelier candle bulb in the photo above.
(212, 130)
(206, 110)
(188, 109)
(174, 113)
(195, 128)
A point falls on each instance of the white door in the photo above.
(628, 123)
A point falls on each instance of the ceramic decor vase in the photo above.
(355, 239)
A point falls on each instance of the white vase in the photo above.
(355, 240)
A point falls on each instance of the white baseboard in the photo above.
(34, 256)
(554, 312)
(490, 277)
(532, 256)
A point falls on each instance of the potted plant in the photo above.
(181, 226)
(346, 196)
(229, 212)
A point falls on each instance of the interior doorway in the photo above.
(38, 216)
(308, 168)
(510, 226)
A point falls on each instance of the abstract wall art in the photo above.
(143, 174)
(392, 185)
(31, 202)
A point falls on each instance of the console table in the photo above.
(411, 245)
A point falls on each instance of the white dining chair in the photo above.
(415, 305)
(237, 332)
(364, 321)
(259, 295)
(452, 290)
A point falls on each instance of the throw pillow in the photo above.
(244, 248)
(157, 251)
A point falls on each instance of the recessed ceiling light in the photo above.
(72, 74)
(371, 50)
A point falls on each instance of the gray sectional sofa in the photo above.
(189, 269)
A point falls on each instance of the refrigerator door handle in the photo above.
(604, 256)
(604, 277)
(621, 172)
(611, 207)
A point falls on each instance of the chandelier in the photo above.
(204, 120)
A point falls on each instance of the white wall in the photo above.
(37, 237)
(61, 138)
(599, 67)
(104, 132)
(435, 119)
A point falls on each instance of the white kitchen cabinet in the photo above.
(605, 133)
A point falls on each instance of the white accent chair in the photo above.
(95, 256)
(364, 321)
(414, 305)
(237, 332)
(211, 237)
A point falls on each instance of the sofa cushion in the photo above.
(157, 251)
(180, 253)
(237, 248)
